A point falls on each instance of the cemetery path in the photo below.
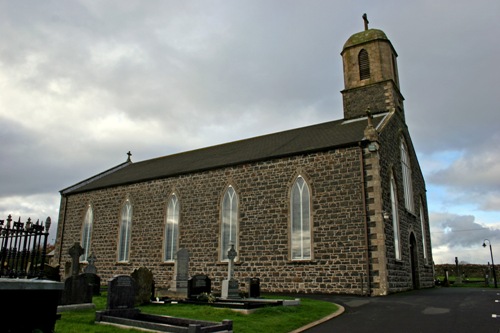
(458, 310)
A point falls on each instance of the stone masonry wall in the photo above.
(390, 160)
(263, 188)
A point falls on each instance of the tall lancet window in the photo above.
(300, 228)
(395, 219)
(171, 228)
(87, 232)
(125, 229)
(407, 178)
(229, 227)
(364, 65)
(423, 224)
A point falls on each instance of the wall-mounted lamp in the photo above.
(386, 215)
(373, 147)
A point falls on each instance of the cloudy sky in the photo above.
(84, 82)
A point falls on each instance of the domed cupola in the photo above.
(370, 74)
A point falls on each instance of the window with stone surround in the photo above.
(125, 229)
(87, 232)
(364, 65)
(423, 223)
(407, 178)
(395, 219)
(171, 229)
(300, 226)
(229, 225)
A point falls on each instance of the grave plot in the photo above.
(121, 311)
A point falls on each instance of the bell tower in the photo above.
(370, 74)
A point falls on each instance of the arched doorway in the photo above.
(414, 261)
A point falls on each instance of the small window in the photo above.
(395, 220)
(125, 229)
(171, 228)
(300, 220)
(87, 233)
(407, 178)
(364, 65)
(229, 228)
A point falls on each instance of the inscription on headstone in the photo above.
(121, 292)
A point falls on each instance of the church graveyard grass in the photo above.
(276, 319)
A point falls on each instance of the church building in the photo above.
(338, 207)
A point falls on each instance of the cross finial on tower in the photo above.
(365, 19)
(129, 154)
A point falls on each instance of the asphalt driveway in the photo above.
(453, 310)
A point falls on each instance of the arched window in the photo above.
(423, 224)
(229, 228)
(407, 178)
(87, 232)
(395, 219)
(125, 229)
(171, 228)
(300, 227)
(364, 65)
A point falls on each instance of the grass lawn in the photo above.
(471, 282)
(278, 319)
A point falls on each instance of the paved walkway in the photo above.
(443, 310)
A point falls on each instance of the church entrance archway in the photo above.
(414, 261)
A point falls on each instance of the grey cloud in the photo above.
(460, 231)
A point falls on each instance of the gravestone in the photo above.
(198, 285)
(143, 278)
(121, 293)
(75, 252)
(253, 287)
(76, 287)
(91, 267)
(179, 285)
(94, 282)
(230, 286)
(90, 273)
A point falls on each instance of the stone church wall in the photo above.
(263, 190)
(390, 160)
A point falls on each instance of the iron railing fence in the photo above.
(23, 248)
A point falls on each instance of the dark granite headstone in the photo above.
(144, 281)
(76, 290)
(94, 282)
(253, 287)
(199, 284)
(121, 292)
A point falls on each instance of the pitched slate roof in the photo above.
(320, 137)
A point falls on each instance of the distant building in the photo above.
(337, 207)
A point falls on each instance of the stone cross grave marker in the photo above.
(75, 252)
(91, 267)
(230, 287)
